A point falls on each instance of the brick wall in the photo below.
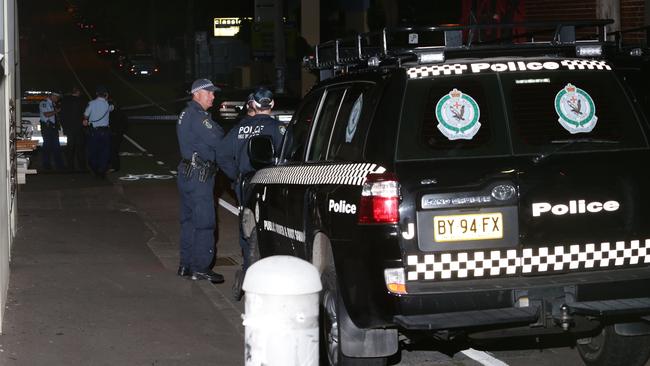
(632, 16)
(632, 13)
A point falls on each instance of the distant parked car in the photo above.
(106, 47)
(140, 65)
(232, 106)
(30, 126)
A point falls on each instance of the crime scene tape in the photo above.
(140, 106)
(170, 117)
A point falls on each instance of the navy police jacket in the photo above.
(233, 153)
(197, 132)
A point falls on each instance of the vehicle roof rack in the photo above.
(393, 46)
(620, 35)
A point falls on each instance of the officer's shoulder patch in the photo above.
(207, 124)
(282, 129)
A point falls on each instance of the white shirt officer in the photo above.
(98, 109)
(47, 108)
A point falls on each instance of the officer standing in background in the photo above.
(198, 138)
(72, 114)
(96, 119)
(235, 150)
(50, 131)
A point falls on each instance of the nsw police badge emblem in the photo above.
(458, 115)
(207, 124)
(576, 109)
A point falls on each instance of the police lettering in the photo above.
(574, 207)
(342, 207)
(514, 66)
(247, 130)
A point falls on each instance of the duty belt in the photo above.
(205, 169)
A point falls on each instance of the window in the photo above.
(452, 117)
(349, 132)
(323, 130)
(598, 101)
(298, 131)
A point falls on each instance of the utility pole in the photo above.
(279, 52)
(189, 40)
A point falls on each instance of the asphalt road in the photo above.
(56, 55)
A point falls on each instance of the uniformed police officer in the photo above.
(50, 131)
(98, 144)
(198, 138)
(235, 148)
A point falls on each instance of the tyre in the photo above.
(330, 333)
(611, 349)
(236, 291)
(255, 248)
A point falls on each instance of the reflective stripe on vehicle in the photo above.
(345, 174)
(508, 262)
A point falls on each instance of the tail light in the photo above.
(379, 199)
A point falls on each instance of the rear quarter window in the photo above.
(533, 101)
(424, 132)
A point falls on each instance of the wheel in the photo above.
(330, 334)
(611, 349)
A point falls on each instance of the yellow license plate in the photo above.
(468, 227)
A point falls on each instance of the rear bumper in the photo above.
(515, 316)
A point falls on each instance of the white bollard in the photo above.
(281, 315)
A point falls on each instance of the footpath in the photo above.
(93, 279)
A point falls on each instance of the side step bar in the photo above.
(466, 319)
(637, 306)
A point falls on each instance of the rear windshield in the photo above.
(516, 113)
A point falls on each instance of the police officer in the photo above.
(235, 149)
(198, 138)
(98, 144)
(48, 110)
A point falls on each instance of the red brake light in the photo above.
(379, 202)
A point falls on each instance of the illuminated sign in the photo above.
(226, 27)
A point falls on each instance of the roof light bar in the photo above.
(431, 57)
(589, 50)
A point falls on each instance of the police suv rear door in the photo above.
(522, 170)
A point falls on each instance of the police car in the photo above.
(449, 190)
(30, 117)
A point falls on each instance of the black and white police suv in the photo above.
(456, 190)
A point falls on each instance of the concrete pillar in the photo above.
(310, 31)
(609, 9)
(279, 50)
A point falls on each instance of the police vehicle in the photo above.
(30, 128)
(454, 190)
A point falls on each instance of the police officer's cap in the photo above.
(204, 84)
(101, 89)
(263, 98)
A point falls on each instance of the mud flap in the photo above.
(356, 342)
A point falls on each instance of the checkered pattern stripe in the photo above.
(435, 70)
(510, 262)
(345, 174)
(585, 65)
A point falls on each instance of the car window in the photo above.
(348, 135)
(550, 107)
(298, 131)
(323, 130)
(452, 117)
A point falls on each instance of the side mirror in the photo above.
(260, 151)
